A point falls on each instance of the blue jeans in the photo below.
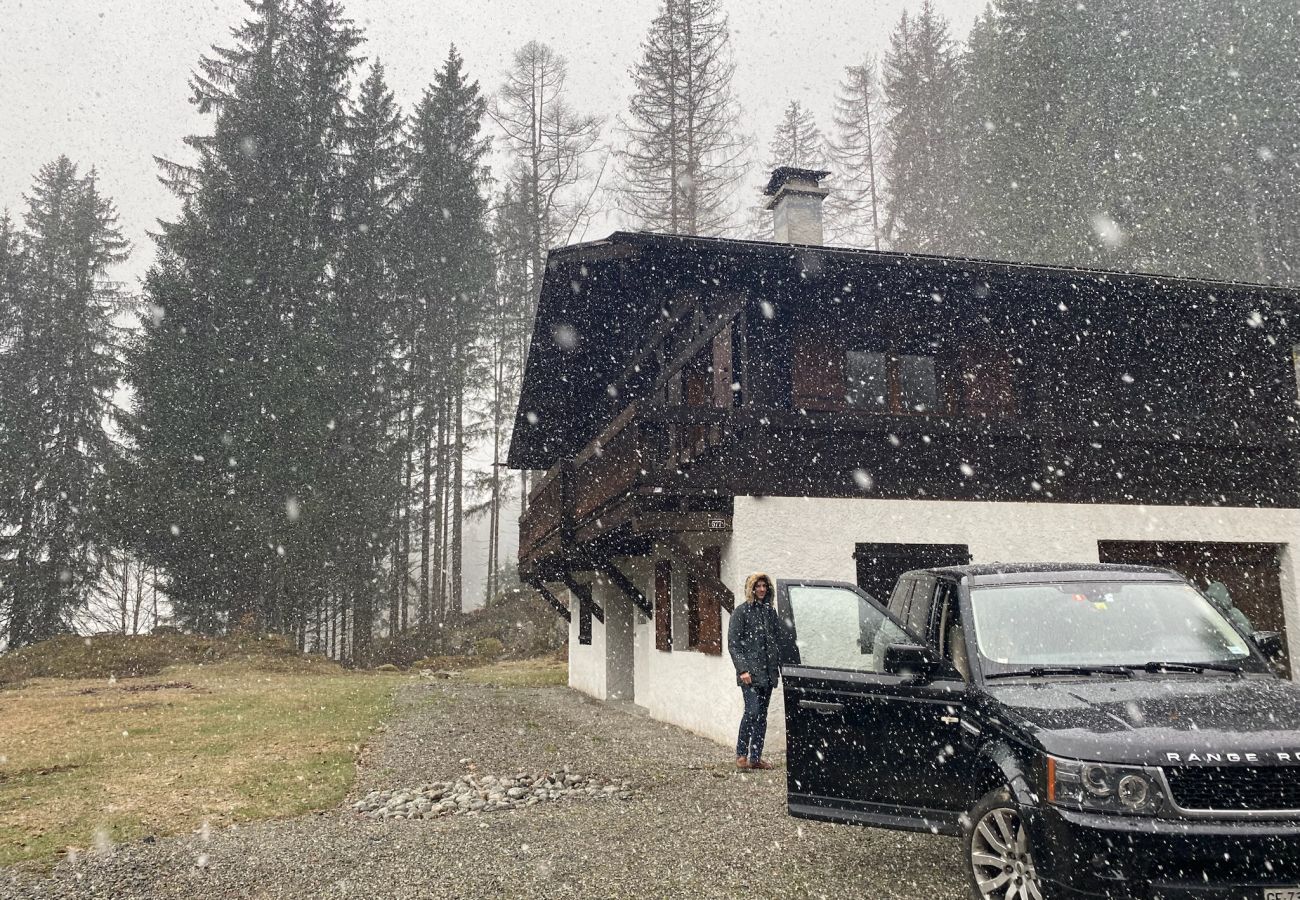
(753, 724)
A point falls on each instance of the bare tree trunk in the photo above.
(399, 622)
(458, 501)
(426, 451)
(440, 505)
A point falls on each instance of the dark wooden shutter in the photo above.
(664, 605)
(584, 622)
(722, 375)
(710, 605)
(818, 373)
(989, 380)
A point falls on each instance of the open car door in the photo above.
(863, 744)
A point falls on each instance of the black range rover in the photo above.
(1088, 731)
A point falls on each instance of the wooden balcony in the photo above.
(610, 493)
(658, 470)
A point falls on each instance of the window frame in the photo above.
(894, 404)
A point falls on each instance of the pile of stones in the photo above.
(473, 794)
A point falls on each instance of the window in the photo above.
(1295, 363)
(837, 628)
(866, 377)
(988, 382)
(889, 382)
(664, 605)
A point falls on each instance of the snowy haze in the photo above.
(106, 82)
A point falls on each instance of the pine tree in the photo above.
(856, 203)
(923, 160)
(684, 156)
(59, 351)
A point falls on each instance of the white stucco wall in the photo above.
(796, 537)
(813, 537)
(586, 662)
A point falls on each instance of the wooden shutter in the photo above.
(818, 372)
(710, 605)
(584, 622)
(989, 379)
(722, 375)
(664, 605)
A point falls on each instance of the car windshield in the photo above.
(1113, 623)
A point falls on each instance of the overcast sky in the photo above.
(104, 81)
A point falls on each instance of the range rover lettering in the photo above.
(1086, 730)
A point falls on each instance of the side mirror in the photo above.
(1268, 642)
(910, 659)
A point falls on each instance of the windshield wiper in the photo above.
(1158, 667)
(1046, 671)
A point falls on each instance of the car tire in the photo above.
(997, 853)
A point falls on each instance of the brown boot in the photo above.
(761, 765)
(742, 762)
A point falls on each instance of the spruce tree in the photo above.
(797, 141)
(447, 275)
(237, 395)
(923, 159)
(59, 351)
(366, 466)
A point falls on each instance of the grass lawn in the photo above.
(544, 672)
(93, 759)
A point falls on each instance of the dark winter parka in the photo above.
(752, 636)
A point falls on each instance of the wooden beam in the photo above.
(725, 313)
(693, 562)
(605, 566)
(583, 592)
(678, 309)
(552, 599)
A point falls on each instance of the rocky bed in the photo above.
(681, 821)
(487, 793)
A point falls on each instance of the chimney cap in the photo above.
(781, 175)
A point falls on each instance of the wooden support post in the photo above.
(583, 593)
(552, 599)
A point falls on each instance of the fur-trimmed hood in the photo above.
(753, 580)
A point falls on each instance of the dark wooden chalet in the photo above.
(668, 375)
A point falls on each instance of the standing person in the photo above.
(752, 642)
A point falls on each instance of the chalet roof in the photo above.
(600, 300)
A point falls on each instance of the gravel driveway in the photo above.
(694, 827)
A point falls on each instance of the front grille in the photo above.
(1235, 788)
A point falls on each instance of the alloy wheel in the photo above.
(1000, 857)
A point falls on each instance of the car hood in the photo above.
(1189, 720)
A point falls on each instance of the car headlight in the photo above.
(1101, 787)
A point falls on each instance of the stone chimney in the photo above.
(796, 204)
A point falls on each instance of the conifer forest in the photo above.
(287, 423)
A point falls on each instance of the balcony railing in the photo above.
(680, 451)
